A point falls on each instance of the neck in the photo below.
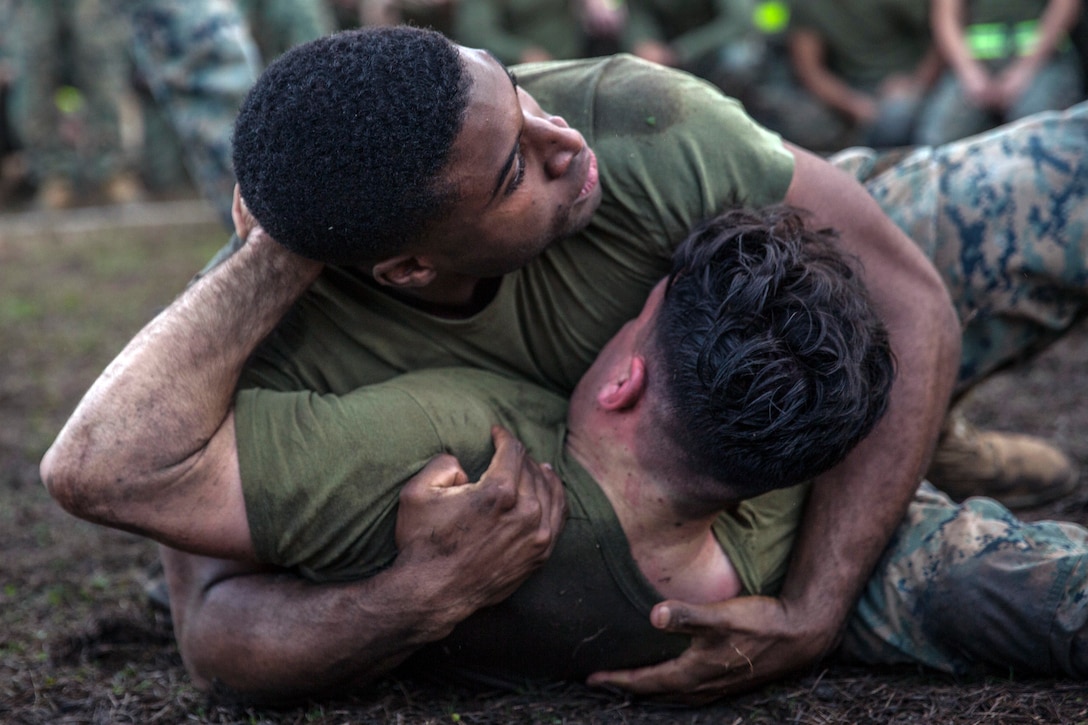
(676, 552)
(450, 297)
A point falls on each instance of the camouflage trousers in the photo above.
(969, 587)
(199, 60)
(1004, 217)
(71, 75)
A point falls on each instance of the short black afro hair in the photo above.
(339, 145)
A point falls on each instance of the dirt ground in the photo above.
(80, 644)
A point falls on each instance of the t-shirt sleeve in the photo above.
(758, 537)
(695, 151)
(321, 475)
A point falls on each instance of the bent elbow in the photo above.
(65, 473)
(56, 476)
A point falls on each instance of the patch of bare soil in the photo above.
(79, 642)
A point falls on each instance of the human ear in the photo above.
(405, 270)
(624, 389)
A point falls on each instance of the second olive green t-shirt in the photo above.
(321, 496)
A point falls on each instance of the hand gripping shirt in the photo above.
(321, 497)
(671, 152)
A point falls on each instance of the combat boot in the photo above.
(1020, 471)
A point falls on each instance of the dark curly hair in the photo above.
(775, 363)
(339, 145)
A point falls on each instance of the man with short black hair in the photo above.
(756, 365)
(683, 465)
(672, 152)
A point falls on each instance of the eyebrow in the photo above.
(504, 172)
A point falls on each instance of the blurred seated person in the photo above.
(1006, 60)
(714, 39)
(869, 62)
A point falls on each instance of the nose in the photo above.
(556, 142)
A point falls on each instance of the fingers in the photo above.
(441, 472)
(556, 506)
(666, 677)
(504, 474)
(684, 618)
(690, 678)
(537, 493)
(683, 679)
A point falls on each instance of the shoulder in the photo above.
(461, 405)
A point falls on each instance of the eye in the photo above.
(519, 173)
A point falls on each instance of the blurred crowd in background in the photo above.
(83, 118)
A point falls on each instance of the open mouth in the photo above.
(591, 176)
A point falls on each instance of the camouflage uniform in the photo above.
(278, 25)
(80, 44)
(1004, 216)
(199, 61)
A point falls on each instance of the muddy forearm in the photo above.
(150, 415)
(274, 637)
(854, 509)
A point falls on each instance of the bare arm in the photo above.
(1058, 19)
(808, 58)
(949, 35)
(271, 637)
(853, 509)
(151, 447)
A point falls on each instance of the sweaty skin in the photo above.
(231, 612)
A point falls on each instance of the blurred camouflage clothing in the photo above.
(71, 75)
(277, 25)
(1004, 216)
(199, 61)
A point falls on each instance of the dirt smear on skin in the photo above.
(79, 642)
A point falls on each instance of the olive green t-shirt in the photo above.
(321, 496)
(672, 151)
(867, 40)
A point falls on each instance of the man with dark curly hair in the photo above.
(757, 364)
(550, 241)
